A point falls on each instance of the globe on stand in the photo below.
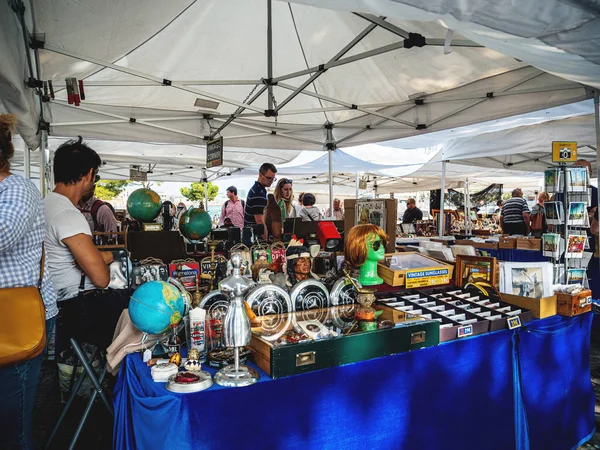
(195, 224)
(155, 306)
(144, 205)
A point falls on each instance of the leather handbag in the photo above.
(22, 322)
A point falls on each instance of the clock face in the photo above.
(216, 305)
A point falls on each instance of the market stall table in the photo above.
(525, 388)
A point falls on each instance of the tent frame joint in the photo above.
(43, 125)
(490, 95)
(166, 82)
(132, 120)
(421, 126)
(271, 113)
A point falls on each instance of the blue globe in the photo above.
(155, 306)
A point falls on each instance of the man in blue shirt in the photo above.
(257, 195)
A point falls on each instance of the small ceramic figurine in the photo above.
(193, 362)
(364, 248)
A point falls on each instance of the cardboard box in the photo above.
(540, 307)
(464, 242)
(507, 242)
(529, 243)
(573, 305)
(398, 277)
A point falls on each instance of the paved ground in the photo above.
(97, 432)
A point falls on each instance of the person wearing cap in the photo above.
(233, 209)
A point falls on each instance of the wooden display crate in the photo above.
(507, 242)
(398, 277)
(529, 243)
(486, 245)
(573, 305)
(540, 307)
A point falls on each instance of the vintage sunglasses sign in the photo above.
(422, 278)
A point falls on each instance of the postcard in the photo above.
(551, 245)
(552, 180)
(577, 214)
(575, 246)
(576, 276)
(553, 212)
(577, 179)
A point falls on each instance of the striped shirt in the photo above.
(513, 209)
(22, 228)
(255, 203)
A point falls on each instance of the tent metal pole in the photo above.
(597, 122)
(270, 52)
(26, 162)
(442, 191)
(320, 72)
(467, 208)
(205, 180)
(357, 185)
(44, 144)
(157, 80)
(330, 183)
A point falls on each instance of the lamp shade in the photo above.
(329, 236)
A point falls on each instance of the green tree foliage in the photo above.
(109, 189)
(195, 192)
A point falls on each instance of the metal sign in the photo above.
(135, 174)
(564, 151)
(214, 153)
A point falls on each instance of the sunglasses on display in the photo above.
(378, 244)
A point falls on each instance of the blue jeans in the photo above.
(18, 385)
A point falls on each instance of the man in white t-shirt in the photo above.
(79, 271)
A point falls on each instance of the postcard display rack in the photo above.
(566, 241)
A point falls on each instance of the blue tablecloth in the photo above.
(527, 388)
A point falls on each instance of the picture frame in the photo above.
(552, 180)
(551, 245)
(470, 269)
(576, 276)
(371, 211)
(532, 280)
(576, 245)
(577, 214)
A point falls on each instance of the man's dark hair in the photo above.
(266, 167)
(309, 199)
(499, 203)
(73, 160)
(232, 189)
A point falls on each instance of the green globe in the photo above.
(195, 224)
(144, 204)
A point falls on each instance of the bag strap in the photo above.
(43, 259)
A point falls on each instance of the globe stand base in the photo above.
(230, 377)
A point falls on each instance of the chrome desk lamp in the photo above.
(236, 328)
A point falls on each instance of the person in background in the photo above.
(233, 209)
(99, 215)
(498, 209)
(273, 222)
(21, 236)
(257, 195)
(515, 214)
(537, 218)
(309, 211)
(301, 199)
(338, 212)
(284, 196)
(412, 213)
(88, 311)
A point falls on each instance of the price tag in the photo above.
(465, 331)
(147, 355)
(514, 322)
(585, 301)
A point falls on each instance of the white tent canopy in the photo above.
(332, 77)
